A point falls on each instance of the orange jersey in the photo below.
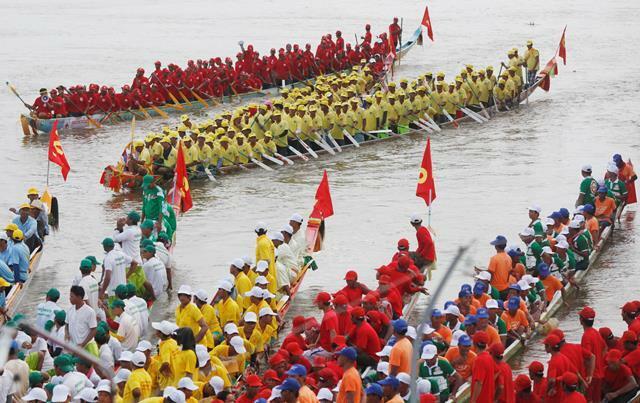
(605, 208)
(462, 365)
(499, 267)
(551, 285)
(514, 322)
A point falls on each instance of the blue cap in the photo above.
(400, 326)
(515, 252)
(514, 286)
(500, 240)
(514, 303)
(602, 189)
(617, 157)
(500, 303)
(465, 287)
(261, 400)
(446, 304)
(556, 215)
(373, 389)
(543, 269)
(391, 381)
(564, 213)
(297, 370)
(588, 208)
(14, 345)
(437, 313)
(482, 313)
(348, 352)
(470, 320)
(479, 288)
(290, 384)
(464, 340)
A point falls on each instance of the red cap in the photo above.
(311, 323)
(629, 335)
(522, 382)
(284, 353)
(496, 349)
(271, 374)
(587, 313)
(340, 299)
(613, 355)
(536, 366)
(298, 321)
(605, 333)
(404, 261)
(403, 243)
(323, 297)
(254, 381)
(570, 379)
(351, 275)
(294, 349)
(319, 362)
(630, 307)
(481, 337)
(427, 398)
(371, 297)
(558, 333)
(276, 359)
(357, 312)
(552, 340)
(340, 341)
(384, 279)
(327, 373)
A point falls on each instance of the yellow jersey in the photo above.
(228, 311)
(139, 379)
(209, 315)
(189, 316)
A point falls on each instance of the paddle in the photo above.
(91, 120)
(475, 94)
(306, 147)
(350, 137)
(274, 160)
(209, 174)
(186, 100)
(470, 114)
(422, 126)
(442, 111)
(144, 111)
(15, 92)
(298, 153)
(285, 159)
(434, 125)
(199, 98)
(176, 104)
(255, 161)
(424, 122)
(244, 168)
(325, 146)
(333, 141)
(160, 112)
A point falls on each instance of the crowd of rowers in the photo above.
(335, 110)
(213, 78)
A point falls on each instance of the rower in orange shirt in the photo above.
(604, 208)
(436, 323)
(551, 283)
(515, 319)
(628, 176)
(591, 222)
(482, 323)
(461, 357)
(500, 265)
(480, 296)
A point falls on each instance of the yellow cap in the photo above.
(165, 140)
(224, 123)
(301, 108)
(489, 68)
(470, 66)
(138, 143)
(268, 134)
(529, 43)
(11, 227)
(32, 192)
(403, 81)
(252, 136)
(440, 74)
(391, 96)
(439, 84)
(392, 85)
(184, 118)
(481, 72)
(458, 79)
(428, 74)
(24, 205)
(4, 283)
(224, 139)
(17, 235)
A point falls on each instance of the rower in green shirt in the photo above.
(432, 367)
(531, 258)
(617, 188)
(588, 187)
(579, 244)
(536, 223)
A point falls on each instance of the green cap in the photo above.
(35, 378)
(150, 248)
(163, 235)
(60, 316)
(48, 325)
(49, 387)
(121, 291)
(64, 362)
(131, 289)
(133, 216)
(117, 303)
(103, 325)
(85, 265)
(147, 242)
(147, 224)
(53, 293)
(147, 180)
(108, 242)
(93, 260)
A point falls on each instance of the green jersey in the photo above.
(493, 291)
(588, 188)
(439, 373)
(152, 202)
(581, 243)
(617, 190)
(500, 325)
(566, 263)
(538, 228)
(532, 258)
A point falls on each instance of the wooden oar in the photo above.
(468, 113)
(199, 98)
(176, 104)
(306, 147)
(484, 111)
(274, 160)
(244, 168)
(91, 120)
(434, 125)
(333, 142)
(422, 126)
(15, 92)
(144, 111)
(350, 137)
(160, 112)
(298, 153)
(443, 111)
(186, 100)
(285, 159)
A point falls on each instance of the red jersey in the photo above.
(558, 365)
(138, 81)
(329, 323)
(344, 322)
(367, 38)
(395, 300)
(339, 43)
(577, 354)
(354, 295)
(243, 398)
(614, 380)
(43, 106)
(635, 325)
(592, 342)
(574, 397)
(366, 339)
(59, 106)
(426, 247)
(505, 378)
(540, 388)
(297, 338)
(632, 360)
(484, 370)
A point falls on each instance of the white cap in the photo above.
(276, 236)
(262, 266)
(561, 238)
(403, 377)
(266, 311)
(587, 168)
(217, 384)
(60, 393)
(4, 237)
(429, 352)
(276, 393)
(383, 366)
(262, 280)
(579, 218)
(455, 337)
(122, 375)
(266, 294)
(574, 224)
(288, 229)
(527, 232)
(187, 383)
(261, 226)
(484, 275)
(524, 285)
(230, 328)
(549, 221)
(386, 350)
(203, 355)
(126, 356)
(491, 304)
(411, 332)
(535, 207)
(238, 344)
(35, 394)
(562, 245)
(452, 310)
(547, 249)
(185, 289)
(325, 394)
(565, 231)
(87, 394)
(165, 327)
(144, 345)
(427, 329)
(201, 295)
(104, 386)
(138, 359)
(255, 292)
(168, 391)
(296, 217)
(247, 260)
(529, 279)
(250, 317)
(226, 285)
(239, 263)
(423, 386)
(612, 167)
(415, 219)
(177, 396)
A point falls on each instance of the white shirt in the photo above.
(116, 347)
(45, 312)
(80, 322)
(91, 290)
(116, 262)
(106, 355)
(59, 333)
(298, 244)
(6, 384)
(129, 238)
(283, 275)
(129, 331)
(137, 307)
(156, 274)
(76, 381)
(165, 257)
(287, 257)
(40, 345)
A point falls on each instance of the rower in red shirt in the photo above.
(139, 79)
(59, 105)
(619, 385)
(570, 385)
(506, 389)
(583, 359)
(254, 384)
(536, 373)
(354, 290)
(484, 371)
(43, 106)
(156, 96)
(390, 295)
(558, 365)
(364, 338)
(630, 315)
(593, 342)
(80, 99)
(367, 35)
(343, 312)
(395, 31)
(339, 41)
(297, 331)
(524, 393)
(296, 355)
(329, 325)
(426, 252)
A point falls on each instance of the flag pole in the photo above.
(429, 217)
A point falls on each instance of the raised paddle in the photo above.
(160, 112)
(15, 92)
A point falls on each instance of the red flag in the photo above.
(182, 181)
(562, 49)
(426, 185)
(56, 153)
(323, 207)
(426, 21)
(549, 71)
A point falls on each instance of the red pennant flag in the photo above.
(426, 185)
(562, 49)
(182, 181)
(56, 153)
(323, 207)
(426, 21)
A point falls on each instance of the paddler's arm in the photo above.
(203, 329)
(590, 366)
(476, 391)
(147, 286)
(580, 200)
(455, 380)
(169, 281)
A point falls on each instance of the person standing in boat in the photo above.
(29, 226)
(532, 62)
(588, 187)
(128, 234)
(395, 32)
(425, 254)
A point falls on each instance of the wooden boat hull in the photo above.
(17, 292)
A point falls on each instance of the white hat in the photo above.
(535, 207)
(337, 388)
(562, 245)
(524, 285)
(247, 260)
(547, 249)
(491, 304)
(325, 394)
(483, 275)
(168, 391)
(3, 236)
(187, 383)
(239, 263)
(266, 294)
(564, 231)
(238, 344)
(587, 168)
(185, 289)
(230, 328)
(255, 292)
(266, 311)
(87, 394)
(415, 219)
(217, 384)
(574, 224)
(612, 167)
(261, 226)
(225, 285)
(262, 280)
(549, 221)
(411, 332)
(126, 356)
(138, 359)
(579, 218)
(201, 295)
(296, 217)
(104, 386)
(288, 229)
(203, 355)
(162, 327)
(427, 329)
(403, 377)
(386, 350)
(122, 375)
(60, 393)
(144, 345)
(36, 394)
(276, 236)
(429, 352)
(276, 393)
(250, 317)
(452, 310)
(455, 337)
(529, 279)
(177, 396)
(561, 238)
(527, 232)
(423, 386)
(262, 266)
(383, 366)
(579, 209)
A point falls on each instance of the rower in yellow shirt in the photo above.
(184, 362)
(205, 153)
(190, 153)
(517, 80)
(227, 152)
(280, 133)
(500, 95)
(227, 308)
(403, 107)
(256, 298)
(261, 121)
(256, 148)
(200, 298)
(392, 113)
(166, 162)
(242, 283)
(167, 347)
(370, 115)
(232, 355)
(338, 122)
(267, 144)
(303, 124)
(264, 247)
(242, 147)
(452, 100)
(138, 386)
(251, 332)
(265, 326)
(484, 88)
(208, 367)
(188, 314)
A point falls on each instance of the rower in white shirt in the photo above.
(155, 271)
(45, 311)
(115, 265)
(129, 235)
(91, 288)
(298, 243)
(128, 330)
